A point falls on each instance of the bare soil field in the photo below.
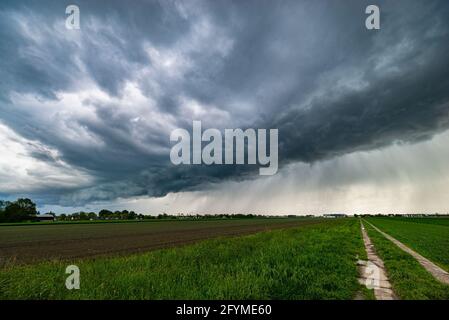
(35, 243)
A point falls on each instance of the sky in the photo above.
(363, 115)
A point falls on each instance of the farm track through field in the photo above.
(438, 273)
(374, 272)
(29, 251)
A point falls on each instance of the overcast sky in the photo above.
(86, 115)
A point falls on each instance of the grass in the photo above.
(409, 279)
(444, 221)
(427, 236)
(308, 262)
(367, 294)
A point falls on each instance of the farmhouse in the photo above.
(44, 217)
(335, 215)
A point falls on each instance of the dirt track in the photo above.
(29, 244)
(373, 271)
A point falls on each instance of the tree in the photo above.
(132, 215)
(19, 210)
(92, 216)
(26, 206)
(83, 216)
(3, 204)
(105, 214)
(117, 214)
(124, 215)
(2, 210)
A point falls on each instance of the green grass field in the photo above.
(427, 236)
(315, 261)
(408, 278)
(444, 221)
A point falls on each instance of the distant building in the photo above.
(44, 217)
(334, 215)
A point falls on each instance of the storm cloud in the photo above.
(92, 109)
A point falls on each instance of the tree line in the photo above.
(131, 215)
(102, 215)
(24, 209)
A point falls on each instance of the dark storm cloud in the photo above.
(409, 106)
(405, 99)
(310, 69)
